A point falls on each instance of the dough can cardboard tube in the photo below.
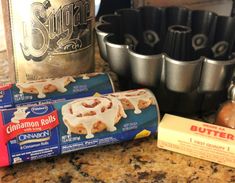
(40, 131)
(54, 89)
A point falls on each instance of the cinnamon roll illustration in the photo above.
(42, 87)
(92, 115)
(135, 99)
(90, 75)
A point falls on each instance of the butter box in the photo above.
(198, 139)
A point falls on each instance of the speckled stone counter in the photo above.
(130, 162)
(137, 161)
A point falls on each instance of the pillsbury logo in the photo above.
(34, 137)
(40, 110)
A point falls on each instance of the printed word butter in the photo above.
(194, 138)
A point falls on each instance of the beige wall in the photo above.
(2, 37)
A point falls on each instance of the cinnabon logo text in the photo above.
(212, 132)
(34, 137)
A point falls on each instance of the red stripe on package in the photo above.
(5, 87)
(4, 160)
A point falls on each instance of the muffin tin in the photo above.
(173, 50)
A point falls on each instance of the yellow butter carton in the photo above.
(198, 139)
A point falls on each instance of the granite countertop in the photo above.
(129, 162)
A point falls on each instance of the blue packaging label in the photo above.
(54, 90)
(34, 132)
(31, 133)
(113, 118)
(6, 98)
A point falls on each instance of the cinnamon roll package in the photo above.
(51, 90)
(34, 132)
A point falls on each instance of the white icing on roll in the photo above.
(88, 76)
(106, 110)
(134, 96)
(59, 83)
(85, 77)
(4, 72)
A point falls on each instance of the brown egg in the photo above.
(226, 115)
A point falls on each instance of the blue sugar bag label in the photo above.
(31, 133)
(96, 121)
